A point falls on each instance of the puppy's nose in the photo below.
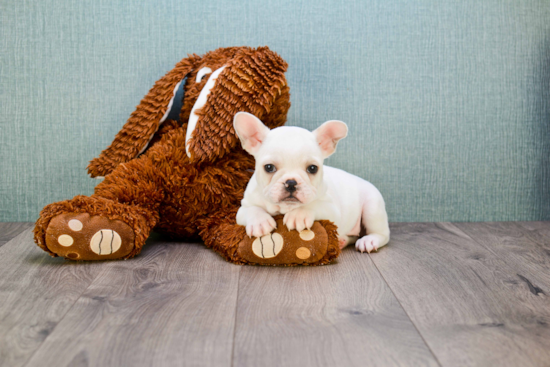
(290, 185)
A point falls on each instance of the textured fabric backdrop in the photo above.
(448, 102)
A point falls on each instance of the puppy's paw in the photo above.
(260, 225)
(368, 243)
(343, 241)
(299, 219)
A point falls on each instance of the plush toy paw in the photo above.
(318, 245)
(367, 243)
(79, 236)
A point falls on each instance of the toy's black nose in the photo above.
(290, 185)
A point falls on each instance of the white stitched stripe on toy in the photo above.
(201, 101)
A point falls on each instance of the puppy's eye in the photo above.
(312, 169)
(269, 168)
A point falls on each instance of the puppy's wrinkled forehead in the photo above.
(290, 141)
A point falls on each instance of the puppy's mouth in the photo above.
(290, 199)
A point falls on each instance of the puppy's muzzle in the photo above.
(290, 185)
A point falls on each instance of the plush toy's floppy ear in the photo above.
(328, 135)
(253, 81)
(250, 130)
(144, 121)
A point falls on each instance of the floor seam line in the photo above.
(479, 243)
(5, 242)
(406, 313)
(235, 322)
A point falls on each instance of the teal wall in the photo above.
(448, 102)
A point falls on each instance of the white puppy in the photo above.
(290, 179)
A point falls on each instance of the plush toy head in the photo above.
(217, 86)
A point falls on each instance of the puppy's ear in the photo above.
(250, 130)
(328, 135)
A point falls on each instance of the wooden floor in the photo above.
(468, 294)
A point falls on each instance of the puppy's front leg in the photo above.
(299, 219)
(257, 221)
(304, 216)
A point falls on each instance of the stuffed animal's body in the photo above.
(186, 179)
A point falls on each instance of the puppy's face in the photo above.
(289, 160)
(289, 166)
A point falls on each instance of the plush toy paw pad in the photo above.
(307, 235)
(79, 236)
(268, 246)
(65, 240)
(284, 247)
(303, 253)
(105, 242)
(75, 225)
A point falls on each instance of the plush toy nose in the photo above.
(290, 185)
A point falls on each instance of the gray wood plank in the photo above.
(464, 299)
(9, 230)
(36, 292)
(335, 315)
(523, 246)
(173, 305)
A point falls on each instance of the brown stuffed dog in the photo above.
(186, 179)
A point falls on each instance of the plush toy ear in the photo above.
(328, 135)
(253, 81)
(250, 130)
(144, 122)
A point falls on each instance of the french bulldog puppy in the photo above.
(290, 179)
